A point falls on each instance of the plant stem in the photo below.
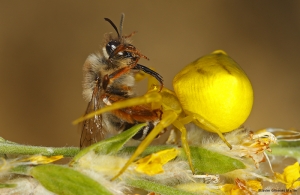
(12, 148)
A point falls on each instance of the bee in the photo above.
(109, 78)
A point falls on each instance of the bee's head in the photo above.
(117, 48)
(119, 51)
(114, 49)
(120, 48)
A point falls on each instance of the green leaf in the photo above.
(64, 180)
(155, 187)
(7, 185)
(287, 143)
(206, 161)
(110, 145)
(293, 152)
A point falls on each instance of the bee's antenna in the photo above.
(113, 25)
(121, 23)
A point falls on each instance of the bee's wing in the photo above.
(92, 129)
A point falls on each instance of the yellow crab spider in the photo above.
(213, 92)
(217, 89)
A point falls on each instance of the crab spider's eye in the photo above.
(111, 46)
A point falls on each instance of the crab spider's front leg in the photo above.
(185, 145)
(150, 97)
(167, 119)
(170, 103)
(196, 118)
(171, 112)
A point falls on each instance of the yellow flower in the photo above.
(152, 164)
(242, 187)
(255, 146)
(39, 159)
(290, 176)
(6, 165)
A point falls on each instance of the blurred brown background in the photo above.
(43, 45)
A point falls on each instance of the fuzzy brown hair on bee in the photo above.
(109, 78)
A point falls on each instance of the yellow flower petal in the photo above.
(231, 189)
(295, 185)
(254, 185)
(227, 188)
(290, 176)
(152, 164)
(242, 187)
(39, 159)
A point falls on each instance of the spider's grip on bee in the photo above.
(212, 92)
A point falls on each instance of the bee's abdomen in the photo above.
(141, 134)
(144, 131)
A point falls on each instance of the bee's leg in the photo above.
(167, 119)
(130, 35)
(153, 77)
(107, 79)
(119, 73)
(131, 49)
(137, 53)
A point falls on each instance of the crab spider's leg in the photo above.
(184, 142)
(196, 118)
(168, 118)
(170, 115)
(149, 97)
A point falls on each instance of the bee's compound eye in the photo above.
(111, 46)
